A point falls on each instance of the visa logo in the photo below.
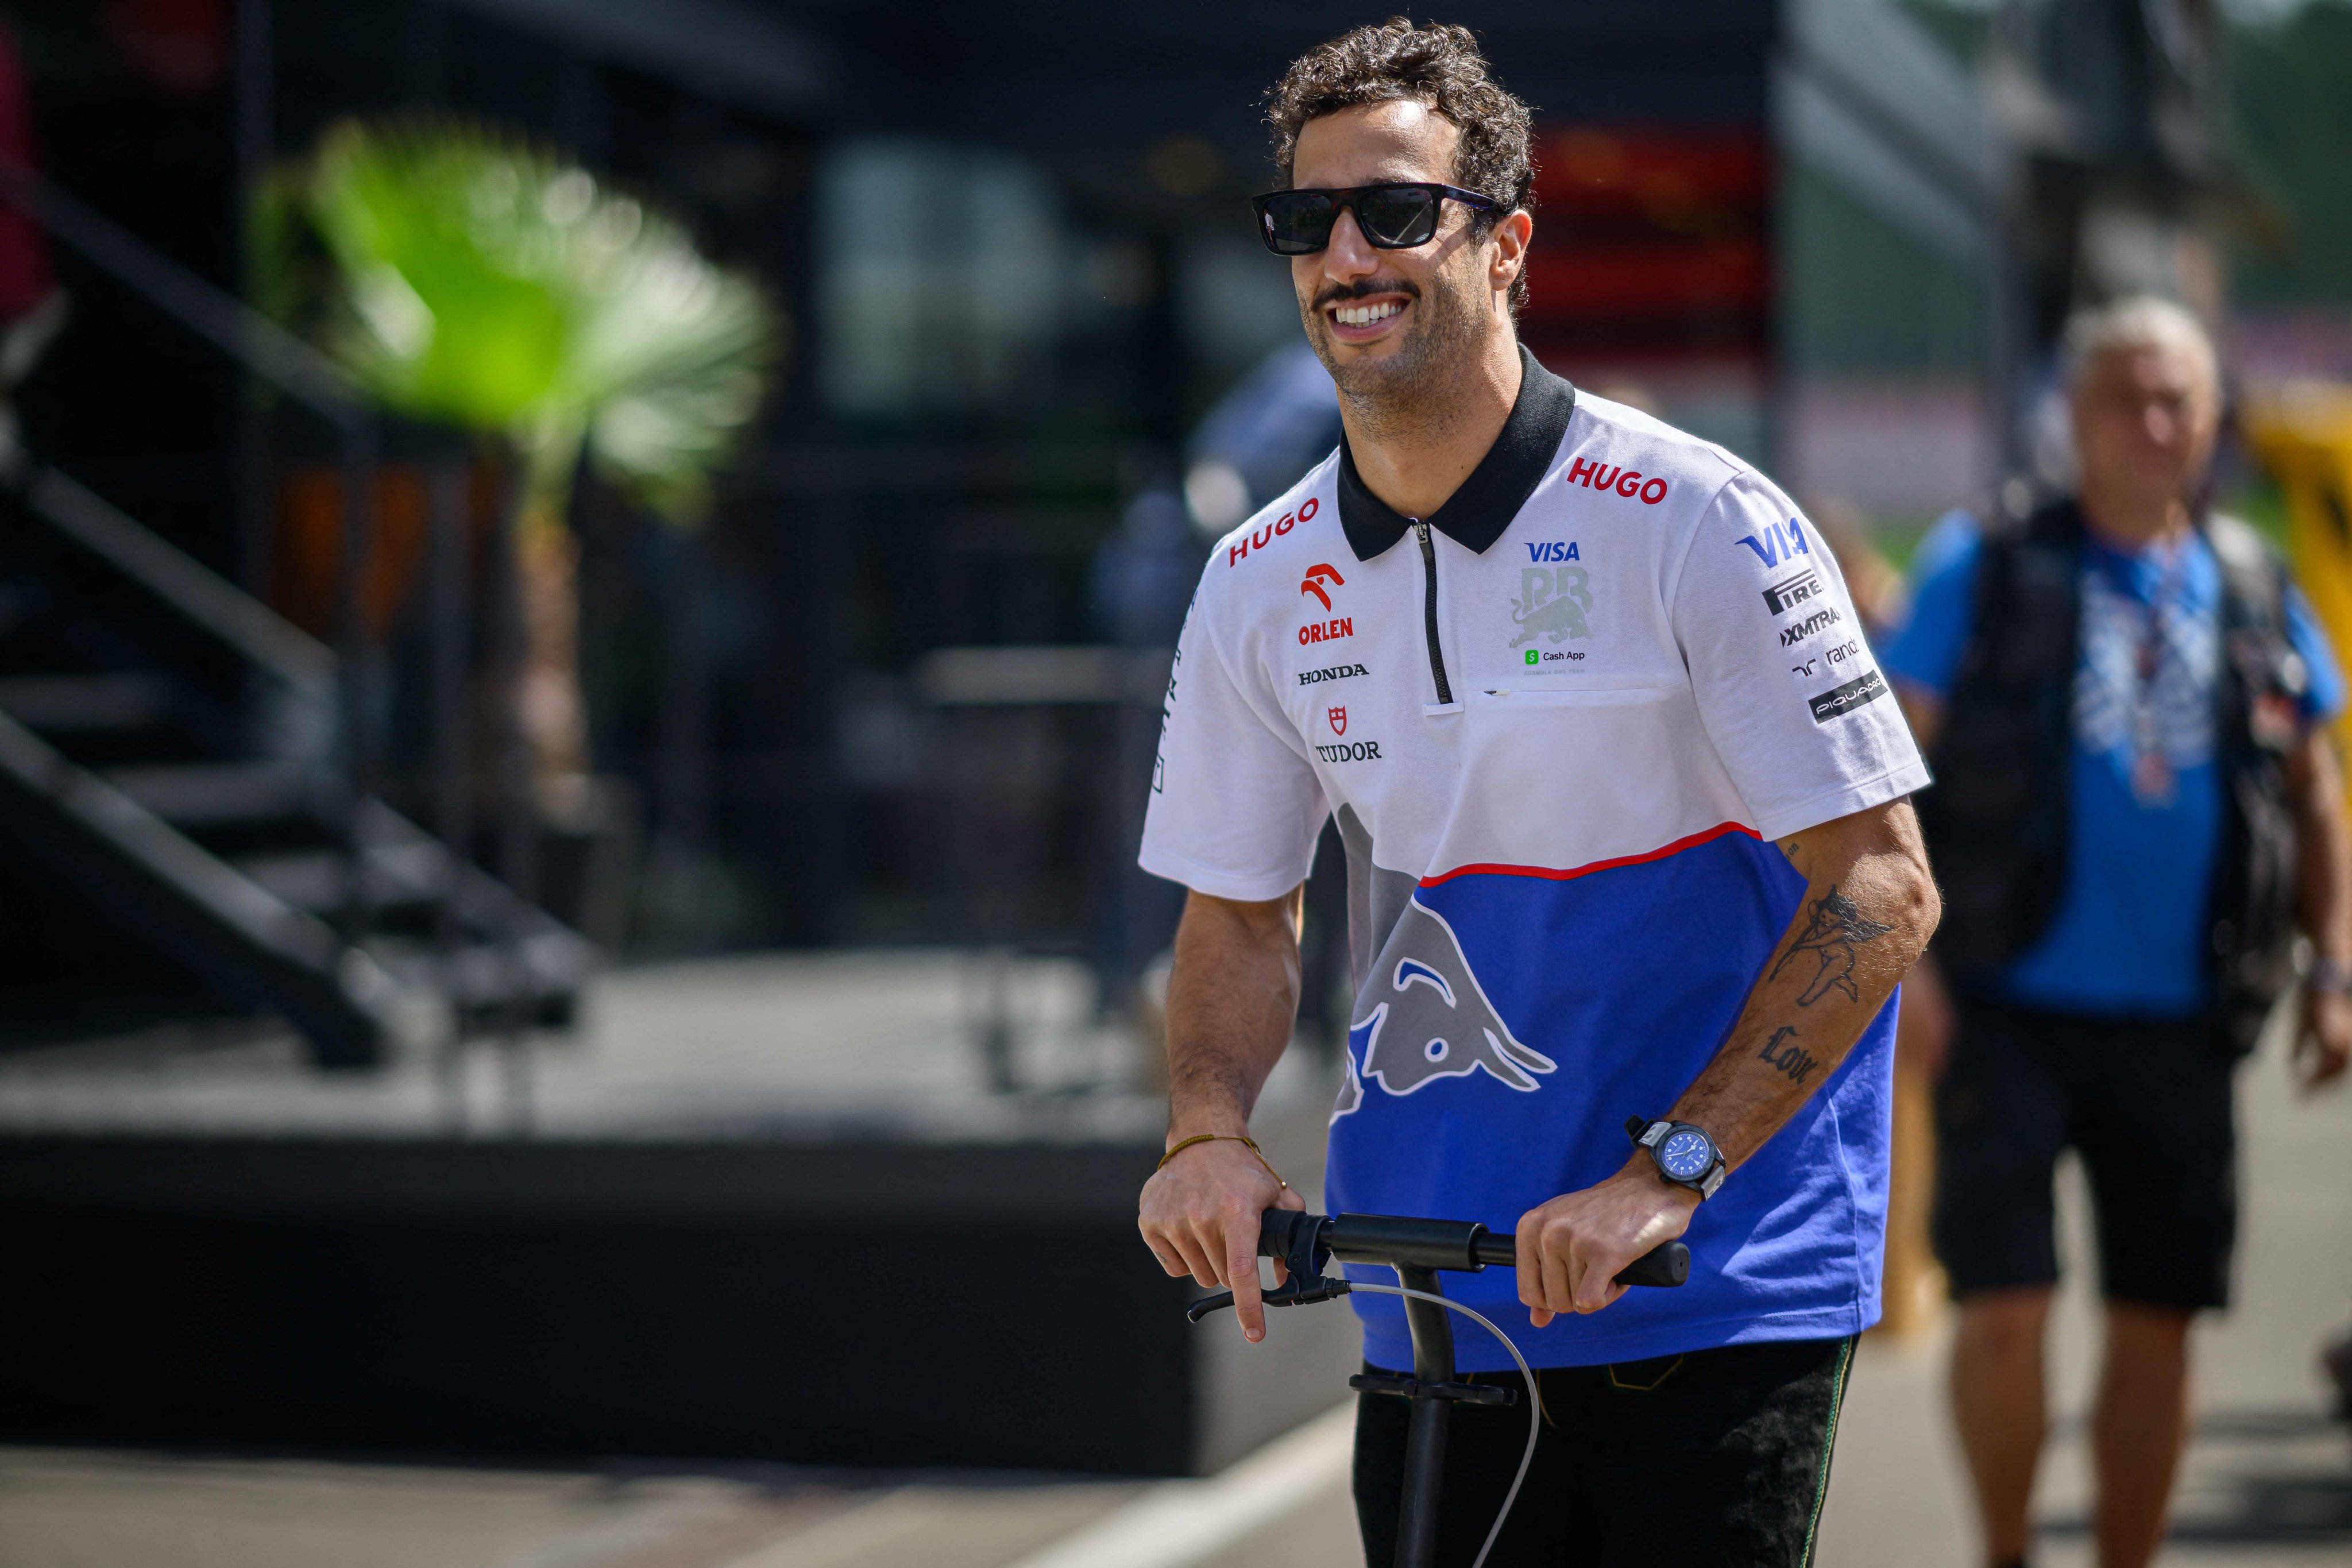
(1553, 550)
(1781, 540)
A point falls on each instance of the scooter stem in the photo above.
(1432, 1415)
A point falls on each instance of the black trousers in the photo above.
(1718, 1458)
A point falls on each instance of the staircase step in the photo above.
(198, 795)
(396, 876)
(130, 700)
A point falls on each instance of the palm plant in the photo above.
(462, 277)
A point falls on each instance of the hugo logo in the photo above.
(1266, 535)
(1627, 482)
(1319, 575)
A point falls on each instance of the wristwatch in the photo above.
(1685, 1155)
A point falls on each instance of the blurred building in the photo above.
(1011, 246)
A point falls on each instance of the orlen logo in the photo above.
(1327, 631)
(1319, 575)
(1625, 481)
(1265, 536)
(1782, 541)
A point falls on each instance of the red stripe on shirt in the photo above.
(1550, 874)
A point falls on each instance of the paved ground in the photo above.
(741, 1046)
(2269, 1480)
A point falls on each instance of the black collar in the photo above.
(1475, 514)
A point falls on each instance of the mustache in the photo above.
(1341, 293)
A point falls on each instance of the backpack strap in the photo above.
(2252, 574)
(2254, 581)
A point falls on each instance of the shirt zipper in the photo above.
(1429, 615)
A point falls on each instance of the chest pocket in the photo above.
(1583, 773)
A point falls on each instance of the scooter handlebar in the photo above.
(1463, 1245)
(1667, 1264)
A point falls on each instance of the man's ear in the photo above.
(1510, 255)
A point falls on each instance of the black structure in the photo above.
(868, 1301)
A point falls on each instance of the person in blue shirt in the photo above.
(2124, 701)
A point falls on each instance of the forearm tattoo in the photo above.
(1791, 1059)
(1836, 928)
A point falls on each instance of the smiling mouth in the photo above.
(1366, 315)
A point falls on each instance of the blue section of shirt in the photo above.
(1571, 968)
(2144, 791)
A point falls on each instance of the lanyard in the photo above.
(2154, 783)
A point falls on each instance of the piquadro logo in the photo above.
(1839, 700)
(1236, 554)
(1319, 575)
(1782, 541)
(1618, 480)
(1553, 603)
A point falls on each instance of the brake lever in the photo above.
(1303, 1258)
(1294, 1291)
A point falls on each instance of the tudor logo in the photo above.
(1339, 717)
(1319, 575)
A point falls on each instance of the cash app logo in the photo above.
(1531, 655)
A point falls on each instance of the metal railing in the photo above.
(309, 380)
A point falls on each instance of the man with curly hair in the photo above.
(1632, 871)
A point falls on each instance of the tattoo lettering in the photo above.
(1793, 1060)
(1836, 928)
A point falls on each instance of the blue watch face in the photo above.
(1686, 1156)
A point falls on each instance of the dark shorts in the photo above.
(2146, 1103)
(1715, 1459)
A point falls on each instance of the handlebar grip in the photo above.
(1279, 1228)
(1666, 1264)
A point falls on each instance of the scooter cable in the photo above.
(1535, 1399)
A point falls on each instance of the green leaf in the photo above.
(460, 276)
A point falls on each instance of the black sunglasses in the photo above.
(1393, 218)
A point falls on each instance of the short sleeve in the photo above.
(1236, 806)
(1924, 651)
(2325, 699)
(1791, 694)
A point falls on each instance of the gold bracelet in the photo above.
(1227, 1137)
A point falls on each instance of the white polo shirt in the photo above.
(1560, 721)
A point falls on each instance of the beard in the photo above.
(1420, 378)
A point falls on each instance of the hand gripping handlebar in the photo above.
(1307, 1242)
